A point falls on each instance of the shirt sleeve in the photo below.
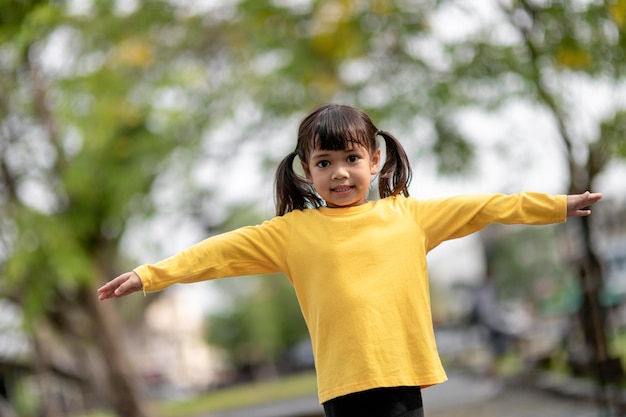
(249, 250)
(455, 217)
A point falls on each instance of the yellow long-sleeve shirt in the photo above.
(360, 276)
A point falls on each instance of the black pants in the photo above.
(380, 402)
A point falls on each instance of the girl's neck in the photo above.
(361, 208)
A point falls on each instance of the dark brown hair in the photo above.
(334, 127)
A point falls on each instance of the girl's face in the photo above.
(342, 178)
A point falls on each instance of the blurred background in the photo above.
(130, 129)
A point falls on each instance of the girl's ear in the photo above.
(307, 172)
(375, 162)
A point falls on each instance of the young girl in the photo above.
(358, 267)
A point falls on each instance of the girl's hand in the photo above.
(125, 284)
(578, 204)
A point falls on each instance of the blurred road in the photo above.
(463, 395)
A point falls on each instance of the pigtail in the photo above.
(292, 192)
(395, 175)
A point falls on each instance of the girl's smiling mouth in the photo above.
(342, 189)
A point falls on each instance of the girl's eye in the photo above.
(323, 164)
(353, 158)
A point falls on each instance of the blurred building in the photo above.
(170, 351)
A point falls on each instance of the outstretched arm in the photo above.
(578, 205)
(125, 284)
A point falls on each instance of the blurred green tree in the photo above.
(87, 125)
(98, 97)
(102, 100)
(543, 54)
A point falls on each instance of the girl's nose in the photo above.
(340, 173)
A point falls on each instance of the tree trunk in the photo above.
(607, 370)
(123, 384)
(50, 403)
(5, 408)
(125, 393)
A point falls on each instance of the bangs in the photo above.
(335, 128)
(338, 142)
(339, 134)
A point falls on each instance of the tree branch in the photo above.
(579, 177)
(43, 111)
